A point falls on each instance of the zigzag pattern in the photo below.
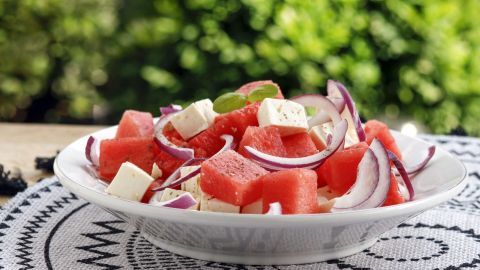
(95, 249)
(25, 244)
(463, 153)
(461, 143)
(475, 174)
(469, 233)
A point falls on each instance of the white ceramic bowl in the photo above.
(260, 239)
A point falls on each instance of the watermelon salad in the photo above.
(254, 152)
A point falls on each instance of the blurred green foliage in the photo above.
(413, 58)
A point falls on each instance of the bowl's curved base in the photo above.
(256, 259)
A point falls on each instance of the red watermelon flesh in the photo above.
(167, 163)
(294, 189)
(299, 145)
(208, 141)
(232, 178)
(149, 193)
(233, 123)
(236, 122)
(340, 170)
(173, 136)
(114, 152)
(264, 139)
(394, 196)
(135, 124)
(247, 88)
(376, 129)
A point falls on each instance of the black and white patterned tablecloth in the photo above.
(47, 227)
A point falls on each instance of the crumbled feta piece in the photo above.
(325, 199)
(324, 205)
(189, 122)
(169, 194)
(206, 107)
(327, 193)
(288, 116)
(130, 182)
(319, 134)
(210, 204)
(156, 171)
(253, 208)
(193, 184)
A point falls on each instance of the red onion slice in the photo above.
(404, 175)
(184, 201)
(93, 171)
(338, 90)
(275, 209)
(365, 184)
(312, 161)
(338, 102)
(174, 180)
(229, 144)
(167, 146)
(418, 167)
(380, 194)
(172, 108)
(326, 109)
(92, 150)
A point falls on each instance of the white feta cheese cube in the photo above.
(193, 184)
(206, 107)
(210, 204)
(169, 194)
(130, 182)
(288, 116)
(189, 122)
(187, 169)
(253, 208)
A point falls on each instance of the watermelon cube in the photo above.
(339, 171)
(236, 122)
(173, 136)
(135, 124)
(247, 88)
(266, 139)
(166, 162)
(294, 189)
(393, 196)
(207, 141)
(114, 152)
(299, 145)
(233, 123)
(376, 129)
(232, 178)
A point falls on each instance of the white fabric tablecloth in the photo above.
(47, 227)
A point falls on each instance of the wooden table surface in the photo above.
(21, 143)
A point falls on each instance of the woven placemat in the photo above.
(47, 227)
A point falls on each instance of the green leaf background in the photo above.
(87, 61)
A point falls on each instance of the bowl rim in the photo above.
(254, 220)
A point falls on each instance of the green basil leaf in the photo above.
(262, 92)
(229, 102)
